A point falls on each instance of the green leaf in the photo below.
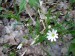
(33, 2)
(10, 15)
(1, 8)
(73, 41)
(72, 32)
(22, 6)
(6, 45)
(37, 27)
(41, 39)
(72, 47)
(12, 54)
(13, 16)
(72, 1)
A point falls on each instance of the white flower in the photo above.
(49, 26)
(52, 35)
(20, 46)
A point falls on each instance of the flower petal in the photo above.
(51, 40)
(54, 39)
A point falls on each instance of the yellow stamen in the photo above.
(53, 35)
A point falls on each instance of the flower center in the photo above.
(53, 35)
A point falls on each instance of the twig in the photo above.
(43, 26)
(34, 22)
(32, 19)
(24, 52)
